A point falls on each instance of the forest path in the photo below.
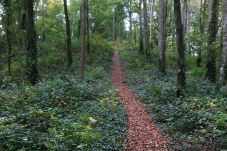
(143, 135)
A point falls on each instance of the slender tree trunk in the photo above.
(141, 48)
(114, 22)
(32, 70)
(212, 31)
(130, 21)
(87, 27)
(69, 51)
(152, 2)
(223, 67)
(162, 35)
(201, 28)
(73, 24)
(180, 46)
(146, 30)
(9, 33)
(185, 16)
(44, 11)
(83, 37)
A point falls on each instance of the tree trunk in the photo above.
(114, 22)
(201, 28)
(180, 46)
(162, 35)
(146, 30)
(212, 31)
(44, 11)
(141, 48)
(83, 37)
(9, 33)
(32, 70)
(87, 27)
(69, 51)
(185, 16)
(223, 68)
(152, 2)
(130, 21)
(73, 24)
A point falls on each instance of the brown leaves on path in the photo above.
(143, 135)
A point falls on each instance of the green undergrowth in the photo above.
(64, 113)
(197, 121)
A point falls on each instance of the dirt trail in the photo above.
(143, 135)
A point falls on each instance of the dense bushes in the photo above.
(197, 121)
(62, 114)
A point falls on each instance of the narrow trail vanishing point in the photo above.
(143, 135)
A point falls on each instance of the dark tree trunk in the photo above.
(141, 48)
(180, 46)
(32, 70)
(69, 51)
(212, 31)
(9, 33)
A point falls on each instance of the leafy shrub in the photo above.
(199, 71)
(97, 72)
(100, 48)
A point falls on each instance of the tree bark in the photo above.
(141, 48)
(83, 37)
(146, 30)
(185, 16)
(152, 2)
(212, 31)
(162, 35)
(114, 23)
(44, 11)
(69, 49)
(130, 21)
(223, 67)
(9, 33)
(180, 46)
(32, 70)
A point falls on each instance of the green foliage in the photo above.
(97, 73)
(100, 48)
(62, 114)
(196, 121)
(199, 71)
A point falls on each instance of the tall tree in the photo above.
(141, 44)
(180, 45)
(223, 67)
(69, 49)
(130, 20)
(83, 36)
(44, 13)
(9, 32)
(162, 35)
(114, 23)
(31, 56)
(202, 17)
(151, 8)
(146, 30)
(185, 16)
(212, 31)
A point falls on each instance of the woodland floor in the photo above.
(143, 134)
